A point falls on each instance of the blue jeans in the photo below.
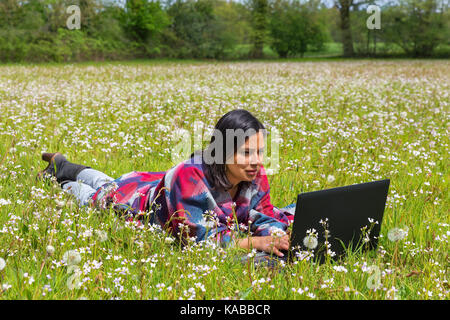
(88, 181)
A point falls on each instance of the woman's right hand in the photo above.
(269, 244)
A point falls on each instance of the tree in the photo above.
(143, 21)
(344, 7)
(232, 27)
(259, 19)
(192, 21)
(293, 27)
(418, 27)
(205, 28)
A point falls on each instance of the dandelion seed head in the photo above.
(71, 257)
(50, 250)
(310, 242)
(396, 234)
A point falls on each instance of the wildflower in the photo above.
(2, 264)
(372, 221)
(340, 269)
(86, 234)
(4, 202)
(397, 234)
(30, 278)
(252, 253)
(211, 219)
(169, 240)
(60, 204)
(200, 286)
(71, 257)
(46, 288)
(330, 178)
(6, 286)
(101, 235)
(277, 232)
(50, 250)
(160, 286)
(311, 295)
(304, 255)
(243, 227)
(183, 228)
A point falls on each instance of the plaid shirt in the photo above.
(182, 200)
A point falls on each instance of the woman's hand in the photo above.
(267, 244)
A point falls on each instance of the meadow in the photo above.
(342, 122)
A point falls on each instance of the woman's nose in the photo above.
(255, 159)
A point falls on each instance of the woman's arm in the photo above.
(264, 216)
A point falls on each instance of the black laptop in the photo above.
(348, 213)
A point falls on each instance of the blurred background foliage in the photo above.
(36, 30)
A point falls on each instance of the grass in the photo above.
(356, 121)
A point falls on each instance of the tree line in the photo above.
(40, 30)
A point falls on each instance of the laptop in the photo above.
(344, 212)
(352, 215)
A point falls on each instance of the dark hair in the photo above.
(235, 119)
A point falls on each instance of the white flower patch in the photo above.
(331, 178)
(340, 269)
(5, 202)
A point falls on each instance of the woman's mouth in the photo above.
(251, 172)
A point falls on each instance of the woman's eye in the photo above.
(248, 152)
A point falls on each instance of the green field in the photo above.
(342, 122)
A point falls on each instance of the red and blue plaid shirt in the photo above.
(182, 200)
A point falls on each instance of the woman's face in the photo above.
(247, 160)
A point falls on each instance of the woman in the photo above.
(212, 194)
